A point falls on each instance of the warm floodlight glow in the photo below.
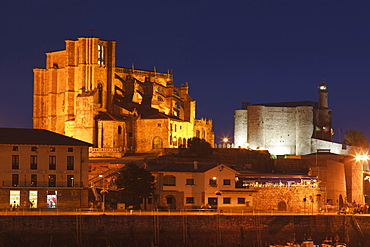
(214, 178)
(361, 157)
(225, 139)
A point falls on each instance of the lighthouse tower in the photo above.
(323, 96)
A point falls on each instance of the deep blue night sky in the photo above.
(230, 51)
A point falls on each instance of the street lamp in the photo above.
(103, 192)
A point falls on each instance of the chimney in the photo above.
(195, 165)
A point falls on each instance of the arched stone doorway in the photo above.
(157, 142)
(171, 202)
(282, 206)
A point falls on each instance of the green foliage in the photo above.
(135, 181)
(197, 148)
(356, 138)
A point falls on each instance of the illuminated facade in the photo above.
(42, 169)
(187, 186)
(289, 128)
(82, 94)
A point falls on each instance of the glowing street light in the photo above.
(225, 140)
(361, 157)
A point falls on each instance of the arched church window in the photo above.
(100, 54)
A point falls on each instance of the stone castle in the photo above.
(83, 94)
(288, 128)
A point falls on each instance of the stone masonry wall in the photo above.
(180, 230)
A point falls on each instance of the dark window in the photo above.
(15, 148)
(169, 180)
(213, 182)
(15, 180)
(159, 124)
(52, 162)
(227, 181)
(33, 180)
(241, 200)
(70, 149)
(212, 201)
(169, 200)
(52, 180)
(70, 162)
(129, 134)
(150, 200)
(190, 200)
(119, 130)
(70, 180)
(33, 162)
(34, 149)
(52, 149)
(15, 161)
(227, 200)
(189, 181)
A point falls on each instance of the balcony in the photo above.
(105, 152)
(39, 184)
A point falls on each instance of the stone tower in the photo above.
(83, 94)
(285, 128)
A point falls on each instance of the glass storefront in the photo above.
(33, 198)
(51, 199)
(15, 198)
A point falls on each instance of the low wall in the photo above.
(179, 230)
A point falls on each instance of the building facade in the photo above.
(196, 186)
(83, 94)
(42, 169)
(288, 128)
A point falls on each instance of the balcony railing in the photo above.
(28, 184)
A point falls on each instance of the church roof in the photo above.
(37, 137)
(291, 104)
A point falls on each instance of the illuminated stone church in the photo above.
(82, 94)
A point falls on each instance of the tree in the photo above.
(197, 148)
(355, 138)
(135, 182)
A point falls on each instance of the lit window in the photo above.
(70, 149)
(52, 149)
(15, 148)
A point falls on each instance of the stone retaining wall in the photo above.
(179, 230)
